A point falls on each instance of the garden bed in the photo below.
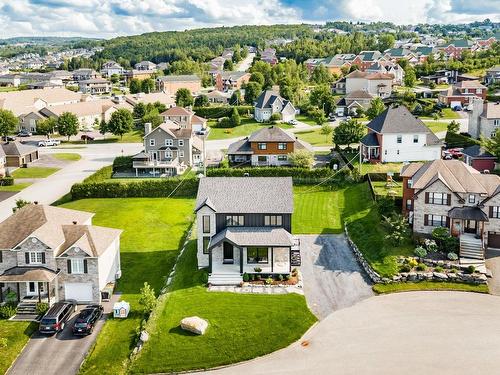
(271, 279)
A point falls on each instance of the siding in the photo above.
(253, 220)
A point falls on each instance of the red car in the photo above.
(86, 137)
(455, 153)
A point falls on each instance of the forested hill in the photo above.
(199, 45)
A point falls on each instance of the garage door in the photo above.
(494, 240)
(82, 292)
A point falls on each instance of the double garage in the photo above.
(494, 240)
(81, 292)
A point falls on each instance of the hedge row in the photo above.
(122, 163)
(6, 181)
(220, 111)
(100, 175)
(154, 188)
(459, 140)
(303, 173)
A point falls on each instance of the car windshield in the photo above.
(48, 321)
(80, 324)
(84, 314)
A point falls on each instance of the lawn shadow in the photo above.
(179, 331)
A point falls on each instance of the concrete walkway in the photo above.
(420, 332)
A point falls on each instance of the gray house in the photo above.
(270, 103)
(169, 149)
(484, 119)
(244, 224)
(50, 254)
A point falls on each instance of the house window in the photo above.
(181, 142)
(397, 152)
(152, 142)
(495, 212)
(235, 220)
(472, 198)
(438, 198)
(408, 204)
(273, 220)
(282, 146)
(206, 241)
(496, 122)
(36, 257)
(168, 154)
(257, 255)
(282, 158)
(169, 142)
(385, 152)
(206, 223)
(399, 139)
(77, 265)
(262, 158)
(415, 139)
(409, 183)
(181, 154)
(262, 146)
(436, 220)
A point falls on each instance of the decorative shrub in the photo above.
(7, 311)
(405, 268)
(452, 256)
(245, 277)
(288, 277)
(269, 280)
(257, 269)
(204, 278)
(438, 269)
(295, 272)
(122, 163)
(11, 297)
(412, 262)
(431, 245)
(421, 267)
(420, 252)
(7, 181)
(471, 269)
(280, 277)
(453, 270)
(41, 308)
(252, 277)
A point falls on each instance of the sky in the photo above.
(110, 18)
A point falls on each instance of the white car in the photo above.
(292, 122)
(49, 142)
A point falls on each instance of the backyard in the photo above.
(247, 127)
(315, 138)
(13, 337)
(437, 126)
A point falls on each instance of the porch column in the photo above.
(48, 293)
(18, 293)
(241, 259)
(39, 284)
(210, 261)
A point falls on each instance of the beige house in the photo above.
(184, 118)
(376, 84)
(18, 154)
(170, 84)
(95, 86)
(484, 119)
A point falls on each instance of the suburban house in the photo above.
(95, 86)
(230, 81)
(145, 65)
(50, 254)
(377, 84)
(478, 158)
(398, 136)
(365, 59)
(111, 67)
(268, 55)
(170, 84)
(268, 146)
(396, 54)
(442, 76)
(388, 67)
(169, 149)
(18, 154)
(484, 118)
(150, 98)
(244, 226)
(218, 97)
(454, 48)
(333, 64)
(128, 75)
(3, 162)
(338, 87)
(184, 118)
(352, 102)
(492, 75)
(85, 74)
(462, 93)
(451, 194)
(268, 103)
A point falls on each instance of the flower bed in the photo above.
(271, 279)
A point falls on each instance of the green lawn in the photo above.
(306, 120)
(17, 335)
(315, 138)
(135, 136)
(437, 126)
(247, 127)
(67, 156)
(381, 188)
(241, 327)
(429, 285)
(15, 187)
(449, 113)
(372, 168)
(153, 230)
(33, 172)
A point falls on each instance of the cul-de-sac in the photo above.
(278, 187)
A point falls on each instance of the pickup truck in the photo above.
(49, 142)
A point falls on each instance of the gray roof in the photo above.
(468, 213)
(246, 194)
(267, 98)
(476, 151)
(253, 236)
(240, 147)
(179, 78)
(17, 149)
(270, 134)
(370, 140)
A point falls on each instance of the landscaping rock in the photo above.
(144, 336)
(429, 275)
(452, 276)
(194, 324)
(412, 276)
(396, 278)
(440, 276)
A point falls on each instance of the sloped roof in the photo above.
(491, 110)
(177, 111)
(476, 151)
(94, 240)
(370, 140)
(397, 120)
(270, 134)
(180, 78)
(16, 148)
(21, 102)
(370, 76)
(253, 236)
(266, 98)
(469, 85)
(247, 194)
(359, 94)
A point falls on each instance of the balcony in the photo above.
(174, 163)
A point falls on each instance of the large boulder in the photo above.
(194, 324)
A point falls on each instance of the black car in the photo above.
(55, 319)
(9, 138)
(87, 319)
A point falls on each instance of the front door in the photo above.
(228, 253)
(32, 288)
(470, 226)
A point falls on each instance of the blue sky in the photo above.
(109, 18)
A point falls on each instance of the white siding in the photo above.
(407, 150)
(109, 264)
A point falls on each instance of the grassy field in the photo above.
(247, 127)
(241, 327)
(437, 126)
(67, 156)
(15, 187)
(429, 285)
(34, 172)
(306, 120)
(17, 335)
(153, 229)
(381, 188)
(315, 138)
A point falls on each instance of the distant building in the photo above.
(95, 86)
(110, 68)
(170, 84)
(269, 103)
(230, 81)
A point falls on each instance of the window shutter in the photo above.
(426, 219)
(448, 201)
(491, 211)
(85, 266)
(43, 258)
(27, 257)
(1, 256)
(69, 266)
(447, 222)
(426, 197)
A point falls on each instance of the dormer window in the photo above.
(472, 198)
(399, 139)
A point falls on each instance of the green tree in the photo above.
(139, 110)
(47, 126)
(103, 128)
(321, 75)
(492, 145)
(453, 127)
(8, 122)
(153, 117)
(237, 54)
(326, 130)
(397, 228)
(228, 65)
(376, 108)
(183, 97)
(147, 299)
(121, 122)
(322, 97)
(252, 92)
(385, 41)
(318, 115)
(115, 78)
(134, 86)
(257, 77)
(235, 98)
(410, 77)
(147, 85)
(348, 132)
(301, 158)
(67, 124)
(235, 117)
(201, 101)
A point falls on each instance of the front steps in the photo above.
(471, 247)
(225, 279)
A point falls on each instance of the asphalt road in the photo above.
(420, 332)
(332, 277)
(57, 354)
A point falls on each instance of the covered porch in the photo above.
(468, 224)
(370, 148)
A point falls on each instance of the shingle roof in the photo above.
(271, 134)
(17, 149)
(476, 151)
(253, 236)
(359, 94)
(370, 140)
(370, 76)
(491, 110)
(177, 111)
(266, 98)
(180, 78)
(92, 239)
(241, 146)
(31, 273)
(247, 194)
(467, 213)
(469, 85)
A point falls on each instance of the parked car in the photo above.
(55, 319)
(87, 319)
(9, 138)
(49, 142)
(456, 153)
(86, 137)
(292, 122)
(24, 133)
(202, 131)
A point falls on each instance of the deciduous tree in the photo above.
(121, 122)
(67, 124)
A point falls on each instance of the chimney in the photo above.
(74, 222)
(147, 127)
(35, 202)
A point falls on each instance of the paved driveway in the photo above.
(420, 333)
(493, 264)
(58, 354)
(332, 277)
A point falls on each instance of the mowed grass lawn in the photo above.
(15, 187)
(17, 335)
(34, 172)
(67, 156)
(247, 127)
(152, 231)
(315, 138)
(437, 126)
(241, 326)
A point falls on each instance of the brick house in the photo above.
(462, 93)
(170, 84)
(230, 81)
